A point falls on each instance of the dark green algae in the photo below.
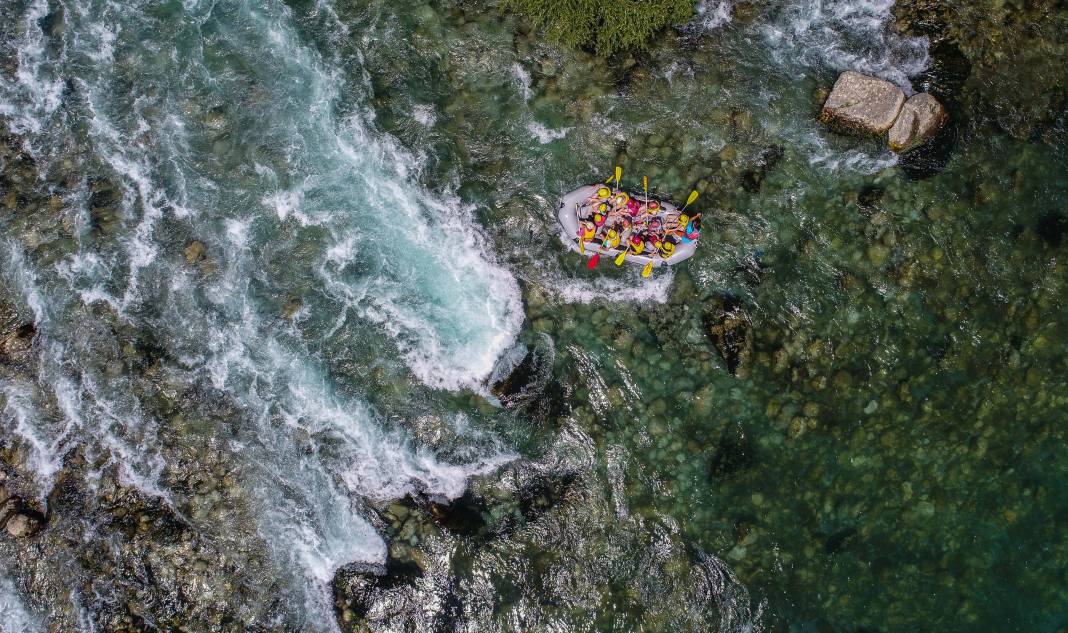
(854, 394)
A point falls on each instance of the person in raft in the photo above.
(692, 230)
(602, 194)
(586, 231)
(614, 219)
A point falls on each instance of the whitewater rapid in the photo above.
(220, 126)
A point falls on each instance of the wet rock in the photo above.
(730, 329)
(23, 525)
(464, 515)
(735, 452)
(15, 345)
(19, 520)
(1052, 228)
(752, 178)
(104, 201)
(530, 383)
(194, 252)
(8, 509)
(921, 118)
(862, 104)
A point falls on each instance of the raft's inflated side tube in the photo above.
(568, 215)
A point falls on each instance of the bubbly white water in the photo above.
(14, 616)
(544, 134)
(220, 122)
(845, 35)
(712, 14)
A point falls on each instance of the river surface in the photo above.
(278, 255)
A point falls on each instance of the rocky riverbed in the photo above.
(847, 412)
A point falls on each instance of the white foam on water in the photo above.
(399, 259)
(522, 80)
(437, 289)
(425, 115)
(846, 35)
(712, 14)
(31, 96)
(634, 289)
(15, 616)
(544, 134)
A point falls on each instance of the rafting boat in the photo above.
(568, 213)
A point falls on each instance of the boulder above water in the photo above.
(921, 117)
(863, 104)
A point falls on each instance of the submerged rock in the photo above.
(731, 332)
(22, 525)
(863, 104)
(15, 345)
(19, 520)
(194, 252)
(920, 119)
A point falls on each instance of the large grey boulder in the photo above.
(921, 117)
(862, 104)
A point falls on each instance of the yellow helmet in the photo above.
(604, 192)
(603, 207)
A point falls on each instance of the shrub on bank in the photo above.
(602, 26)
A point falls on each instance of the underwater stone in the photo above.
(22, 525)
(730, 329)
(194, 252)
(15, 345)
(921, 117)
(859, 103)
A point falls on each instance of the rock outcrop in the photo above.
(869, 105)
(862, 104)
(921, 117)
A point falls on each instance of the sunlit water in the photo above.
(372, 183)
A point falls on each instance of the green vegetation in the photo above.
(603, 26)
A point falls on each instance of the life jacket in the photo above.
(586, 233)
(634, 207)
(613, 238)
(691, 232)
(637, 244)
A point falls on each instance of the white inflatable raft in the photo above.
(568, 214)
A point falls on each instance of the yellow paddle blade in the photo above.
(693, 196)
(648, 270)
(619, 174)
(645, 182)
(620, 258)
(582, 246)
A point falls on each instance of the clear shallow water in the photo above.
(883, 447)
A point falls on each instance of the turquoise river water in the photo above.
(307, 353)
